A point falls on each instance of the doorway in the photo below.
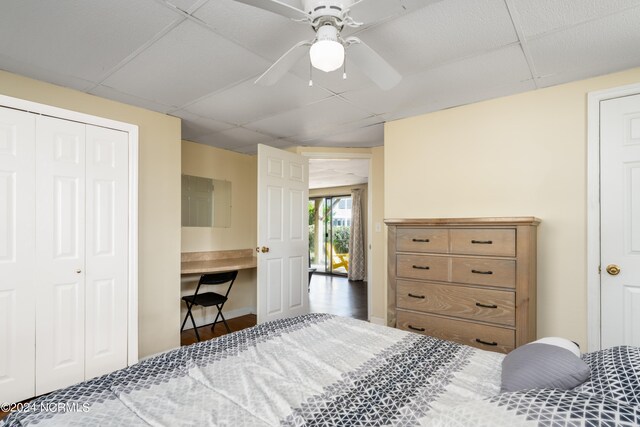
(333, 178)
(329, 232)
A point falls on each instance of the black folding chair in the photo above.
(208, 299)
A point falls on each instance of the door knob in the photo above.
(613, 269)
(78, 271)
(265, 249)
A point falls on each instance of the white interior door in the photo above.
(106, 283)
(17, 255)
(620, 220)
(60, 247)
(283, 192)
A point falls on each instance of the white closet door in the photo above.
(106, 250)
(17, 255)
(60, 240)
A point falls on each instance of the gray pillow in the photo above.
(538, 365)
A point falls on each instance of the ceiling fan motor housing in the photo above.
(322, 12)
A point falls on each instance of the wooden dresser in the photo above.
(470, 280)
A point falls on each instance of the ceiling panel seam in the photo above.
(556, 30)
(321, 132)
(523, 41)
(194, 7)
(166, 30)
(458, 59)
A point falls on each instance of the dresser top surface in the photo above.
(486, 221)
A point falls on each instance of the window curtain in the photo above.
(357, 269)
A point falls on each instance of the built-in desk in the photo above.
(216, 261)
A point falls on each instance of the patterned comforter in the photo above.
(325, 370)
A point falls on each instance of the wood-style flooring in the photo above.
(188, 336)
(327, 294)
(338, 295)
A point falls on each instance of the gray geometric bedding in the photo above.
(318, 370)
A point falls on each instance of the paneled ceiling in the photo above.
(197, 60)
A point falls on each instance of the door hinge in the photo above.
(599, 269)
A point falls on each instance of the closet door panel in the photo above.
(106, 250)
(60, 247)
(17, 255)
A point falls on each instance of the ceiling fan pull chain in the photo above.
(344, 68)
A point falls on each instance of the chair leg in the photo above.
(219, 307)
(225, 322)
(213, 325)
(183, 323)
(193, 322)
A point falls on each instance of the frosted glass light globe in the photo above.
(327, 53)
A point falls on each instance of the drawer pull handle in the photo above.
(486, 305)
(415, 329)
(417, 296)
(482, 242)
(420, 267)
(482, 272)
(493, 344)
(421, 240)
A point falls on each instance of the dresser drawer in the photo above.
(422, 240)
(459, 301)
(479, 241)
(423, 267)
(489, 272)
(477, 335)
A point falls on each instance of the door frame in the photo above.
(594, 321)
(132, 130)
(368, 156)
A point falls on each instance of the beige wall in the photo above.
(378, 238)
(241, 171)
(518, 155)
(158, 197)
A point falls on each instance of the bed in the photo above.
(321, 369)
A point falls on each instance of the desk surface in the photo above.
(217, 265)
(217, 261)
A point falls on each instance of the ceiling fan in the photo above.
(327, 49)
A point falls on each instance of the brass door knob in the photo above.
(613, 269)
(265, 249)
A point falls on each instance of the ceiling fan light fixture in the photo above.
(327, 53)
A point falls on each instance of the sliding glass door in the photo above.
(329, 228)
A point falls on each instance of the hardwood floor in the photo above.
(327, 294)
(188, 336)
(337, 295)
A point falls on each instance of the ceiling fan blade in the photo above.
(283, 64)
(372, 64)
(278, 7)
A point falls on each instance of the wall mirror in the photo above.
(206, 202)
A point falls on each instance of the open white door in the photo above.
(283, 234)
(620, 220)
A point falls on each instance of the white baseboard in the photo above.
(377, 320)
(204, 316)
